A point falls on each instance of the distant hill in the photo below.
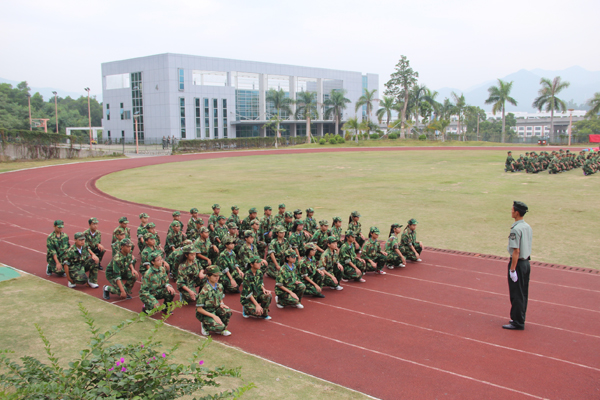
(46, 92)
(526, 84)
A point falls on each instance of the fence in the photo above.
(238, 143)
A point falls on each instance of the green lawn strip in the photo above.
(462, 199)
(29, 300)
(6, 166)
(424, 143)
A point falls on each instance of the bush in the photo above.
(393, 136)
(332, 140)
(340, 139)
(105, 370)
(322, 141)
(422, 137)
(374, 136)
(326, 137)
(347, 136)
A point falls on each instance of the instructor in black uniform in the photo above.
(519, 248)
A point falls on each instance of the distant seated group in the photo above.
(555, 162)
(302, 255)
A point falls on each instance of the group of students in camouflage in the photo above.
(555, 162)
(231, 255)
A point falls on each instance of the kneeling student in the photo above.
(255, 298)
(120, 273)
(288, 287)
(353, 265)
(79, 260)
(190, 275)
(372, 253)
(409, 247)
(155, 284)
(392, 247)
(228, 263)
(212, 313)
(313, 278)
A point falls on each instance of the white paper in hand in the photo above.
(513, 276)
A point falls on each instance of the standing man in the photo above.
(519, 248)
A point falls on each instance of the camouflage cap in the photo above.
(310, 246)
(394, 226)
(220, 217)
(332, 239)
(126, 242)
(288, 214)
(175, 223)
(194, 210)
(310, 210)
(297, 211)
(252, 210)
(282, 205)
(151, 225)
(119, 231)
(324, 222)
(267, 208)
(204, 229)
(200, 221)
(337, 219)
(234, 208)
(123, 220)
(247, 234)
(93, 220)
(350, 233)
(255, 221)
(148, 236)
(215, 206)
(298, 222)
(232, 225)
(355, 214)
(154, 255)
(374, 229)
(79, 235)
(213, 270)
(290, 253)
(186, 242)
(144, 215)
(254, 259)
(176, 213)
(412, 221)
(278, 228)
(188, 249)
(229, 240)
(59, 223)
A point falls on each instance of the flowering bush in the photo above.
(114, 371)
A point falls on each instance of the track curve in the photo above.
(426, 331)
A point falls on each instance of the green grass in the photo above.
(462, 199)
(421, 143)
(58, 315)
(6, 166)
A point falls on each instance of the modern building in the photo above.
(196, 97)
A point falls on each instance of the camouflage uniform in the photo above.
(204, 247)
(279, 249)
(308, 269)
(288, 278)
(212, 220)
(220, 233)
(58, 246)
(348, 255)
(145, 256)
(371, 250)
(297, 240)
(173, 240)
(141, 231)
(409, 237)
(92, 241)
(278, 218)
(191, 225)
(189, 276)
(246, 252)
(228, 262)
(118, 269)
(329, 262)
(210, 299)
(390, 246)
(337, 233)
(310, 224)
(266, 224)
(154, 287)
(127, 231)
(253, 286)
(320, 239)
(79, 263)
(356, 228)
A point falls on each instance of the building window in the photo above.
(247, 131)
(197, 118)
(108, 112)
(216, 118)
(108, 132)
(182, 116)
(206, 120)
(137, 103)
(180, 77)
(224, 118)
(126, 114)
(246, 104)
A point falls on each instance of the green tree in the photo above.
(352, 125)
(459, 109)
(280, 102)
(415, 100)
(473, 116)
(367, 100)
(434, 105)
(594, 103)
(399, 85)
(336, 104)
(307, 108)
(498, 96)
(439, 125)
(547, 99)
(387, 105)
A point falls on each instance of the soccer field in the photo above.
(462, 199)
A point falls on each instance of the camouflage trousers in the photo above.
(99, 254)
(52, 267)
(327, 281)
(127, 283)
(310, 288)
(78, 272)
(350, 273)
(209, 323)
(191, 284)
(272, 270)
(408, 253)
(379, 260)
(150, 298)
(286, 299)
(185, 296)
(393, 259)
(263, 299)
(227, 284)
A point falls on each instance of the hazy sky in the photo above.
(451, 43)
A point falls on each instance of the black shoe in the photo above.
(100, 267)
(320, 295)
(105, 293)
(128, 296)
(512, 327)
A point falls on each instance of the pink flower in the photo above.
(118, 363)
(142, 346)
(112, 369)
(164, 355)
(122, 360)
(123, 369)
(154, 358)
(201, 362)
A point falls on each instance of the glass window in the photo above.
(224, 118)
(209, 78)
(108, 134)
(181, 82)
(197, 118)
(137, 104)
(182, 116)
(206, 119)
(108, 112)
(216, 118)
(247, 131)
(120, 81)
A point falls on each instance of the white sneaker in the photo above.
(390, 267)
(268, 317)
(338, 287)
(402, 265)
(299, 305)
(380, 272)
(361, 280)
(225, 333)
(71, 285)
(419, 260)
(276, 299)
(279, 305)
(202, 330)
(48, 270)
(92, 285)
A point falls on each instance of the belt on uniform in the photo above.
(523, 259)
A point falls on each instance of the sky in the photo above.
(456, 44)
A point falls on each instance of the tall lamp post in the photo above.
(56, 109)
(570, 123)
(29, 104)
(135, 117)
(87, 89)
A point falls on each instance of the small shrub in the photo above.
(326, 137)
(332, 140)
(423, 137)
(322, 141)
(374, 136)
(347, 136)
(393, 136)
(340, 139)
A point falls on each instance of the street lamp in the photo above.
(29, 104)
(570, 123)
(87, 89)
(135, 117)
(56, 109)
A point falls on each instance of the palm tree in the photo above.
(439, 125)
(499, 95)
(366, 99)
(352, 124)
(387, 105)
(459, 108)
(280, 103)
(594, 103)
(417, 96)
(307, 106)
(547, 97)
(429, 97)
(336, 103)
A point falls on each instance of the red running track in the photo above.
(428, 331)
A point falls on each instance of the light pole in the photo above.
(56, 109)
(570, 123)
(87, 89)
(29, 104)
(135, 117)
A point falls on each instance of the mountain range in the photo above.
(526, 84)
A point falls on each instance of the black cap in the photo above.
(520, 206)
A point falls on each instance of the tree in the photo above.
(417, 96)
(280, 102)
(399, 85)
(367, 100)
(547, 99)
(439, 125)
(473, 116)
(499, 95)
(336, 104)
(459, 108)
(352, 124)
(594, 103)
(387, 105)
(307, 107)
(429, 98)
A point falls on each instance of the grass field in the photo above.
(59, 317)
(6, 166)
(422, 143)
(462, 199)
